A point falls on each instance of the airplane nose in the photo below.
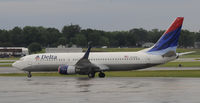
(16, 65)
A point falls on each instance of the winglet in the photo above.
(87, 53)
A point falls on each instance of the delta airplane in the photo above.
(90, 63)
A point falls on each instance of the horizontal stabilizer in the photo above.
(184, 53)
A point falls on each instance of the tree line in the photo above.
(73, 34)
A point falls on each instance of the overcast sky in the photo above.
(109, 15)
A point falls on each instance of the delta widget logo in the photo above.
(37, 57)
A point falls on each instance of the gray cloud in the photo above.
(99, 14)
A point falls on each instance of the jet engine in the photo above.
(66, 69)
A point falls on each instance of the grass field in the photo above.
(6, 61)
(12, 58)
(183, 64)
(157, 73)
(6, 65)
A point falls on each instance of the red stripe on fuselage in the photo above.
(176, 24)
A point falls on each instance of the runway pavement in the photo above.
(98, 90)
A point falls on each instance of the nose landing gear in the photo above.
(91, 75)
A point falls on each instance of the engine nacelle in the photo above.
(65, 69)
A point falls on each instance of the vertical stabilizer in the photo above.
(168, 42)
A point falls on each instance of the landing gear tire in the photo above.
(29, 75)
(101, 75)
(91, 75)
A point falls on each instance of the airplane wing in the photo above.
(84, 66)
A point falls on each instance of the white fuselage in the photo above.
(107, 61)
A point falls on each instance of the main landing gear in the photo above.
(29, 74)
(92, 75)
(101, 75)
